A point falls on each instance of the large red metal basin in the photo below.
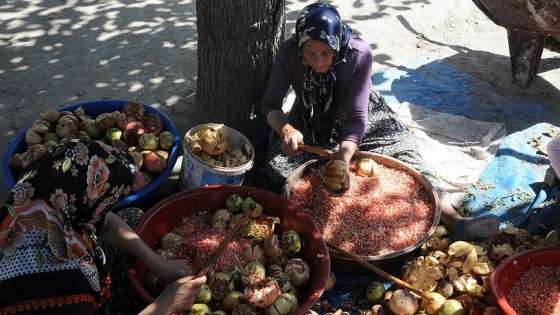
(167, 214)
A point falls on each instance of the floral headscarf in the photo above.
(81, 178)
(65, 195)
(321, 22)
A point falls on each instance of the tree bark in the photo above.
(236, 46)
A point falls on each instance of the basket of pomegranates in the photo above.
(143, 131)
(389, 211)
(277, 263)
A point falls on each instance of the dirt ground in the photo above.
(58, 53)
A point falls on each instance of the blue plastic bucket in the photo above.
(197, 173)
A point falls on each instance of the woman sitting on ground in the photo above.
(50, 227)
(329, 69)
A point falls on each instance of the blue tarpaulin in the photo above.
(512, 186)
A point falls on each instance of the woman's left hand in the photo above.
(345, 154)
(345, 185)
(170, 270)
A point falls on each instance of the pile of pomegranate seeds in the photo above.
(378, 215)
(200, 241)
(537, 292)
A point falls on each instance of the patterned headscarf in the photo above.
(64, 197)
(79, 181)
(81, 178)
(321, 22)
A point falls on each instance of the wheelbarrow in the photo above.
(528, 24)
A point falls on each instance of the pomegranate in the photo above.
(166, 140)
(35, 134)
(148, 141)
(104, 121)
(367, 167)
(233, 203)
(274, 270)
(332, 281)
(205, 295)
(298, 271)
(232, 300)
(249, 204)
(154, 162)
(334, 174)
(43, 122)
(200, 309)
(167, 240)
(262, 293)
(256, 253)
(291, 242)
(452, 307)
(134, 110)
(284, 282)
(223, 215)
(284, 305)
(88, 125)
(79, 112)
(220, 227)
(252, 272)
(435, 305)
(51, 115)
(122, 120)
(33, 153)
(259, 228)
(220, 285)
(142, 180)
(272, 246)
(403, 302)
(51, 136)
(375, 291)
(162, 153)
(132, 131)
(15, 162)
(67, 126)
(235, 272)
(153, 123)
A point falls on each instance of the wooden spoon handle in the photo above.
(224, 244)
(316, 150)
(379, 271)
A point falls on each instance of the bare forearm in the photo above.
(346, 151)
(277, 121)
(119, 234)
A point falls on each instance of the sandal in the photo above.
(476, 229)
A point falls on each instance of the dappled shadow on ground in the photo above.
(58, 53)
(477, 63)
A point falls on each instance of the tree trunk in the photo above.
(237, 41)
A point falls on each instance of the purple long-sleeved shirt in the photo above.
(354, 77)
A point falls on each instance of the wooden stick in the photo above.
(316, 150)
(224, 244)
(379, 271)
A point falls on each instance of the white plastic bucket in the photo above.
(197, 173)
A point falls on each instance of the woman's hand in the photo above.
(177, 297)
(291, 138)
(170, 270)
(345, 184)
(345, 153)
